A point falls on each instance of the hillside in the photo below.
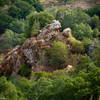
(49, 50)
(73, 5)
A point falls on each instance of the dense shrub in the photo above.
(7, 90)
(74, 17)
(18, 26)
(96, 33)
(96, 56)
(57, 55)
(25, 70)
(94, 10)
(36, 3)
(11, 39)
(76, 46)
(4, 2)
(38, 21)
(81, 31)
(95, 22)
(5, 21)
(20, 9)
(86, 42)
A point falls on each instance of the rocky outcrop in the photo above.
(30, 52)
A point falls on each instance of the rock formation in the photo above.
(30, 52)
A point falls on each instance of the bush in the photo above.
(5, 21)
(96, 56)
(95, 22)
(81, 31)
(18, 26)
(38, 21)
(25, 70)
(7, 89)
(86, 42)
(96, 33)
(84, 63)
(74, 17)
(76, 46)
(57, 55)
(20, 9)
(35, 76)
(36, 3)
(94, 10)
(4, 2)
(11, 39)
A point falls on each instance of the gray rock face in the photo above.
(67, 32)
(51, 29)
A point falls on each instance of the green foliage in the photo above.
(96, 56)
(76, 46)
(11, 39)
(61, 13)
(18, 26)
(14, 11)
(25, 70)
(4, 2)
(86, 43)
(43, 18)
(36, 3)
(82, 31)
(38, 20)
(74, 17)
(25, 88)
(84, 63)
(94, 10)
(5, 20)
(96, 33)
(20, 9)
(57, 55)
(7, 89)
(95, 22)
(38, 75)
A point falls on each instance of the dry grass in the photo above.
(76, 3)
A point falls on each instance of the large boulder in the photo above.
(67, 32)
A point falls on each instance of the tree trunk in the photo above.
(91, 98)
(98, 98)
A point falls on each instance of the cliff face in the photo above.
(30, 52)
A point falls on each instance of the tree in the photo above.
(7, 89)
(81, 31)
(38, 20)
(95, 23)
(37, 5)
(11, 39)
(95, 10)
(4, 2)
(96, 56)
(18, 26)
(5, 20)
(20, 9)
(14, 11)
(57, 55)
(96, 33)
(74, 17)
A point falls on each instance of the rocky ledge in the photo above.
(30, 52)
